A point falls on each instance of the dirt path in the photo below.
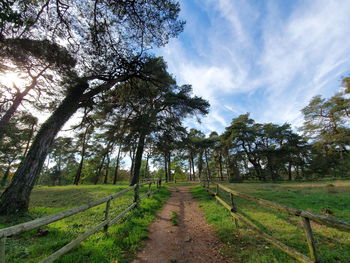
(192, 241)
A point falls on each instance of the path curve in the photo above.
(192, 241)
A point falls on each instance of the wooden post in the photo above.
(108, 204)
(234, 209)
(310, 239)
(2, 249)
(217, 189)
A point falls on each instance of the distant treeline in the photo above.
(267, 151)
(96, 148)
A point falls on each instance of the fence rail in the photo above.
(305, 216)
(39, 222)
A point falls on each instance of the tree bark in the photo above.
(220, 167)
(117, 167)
(207, 164)
(100, 169)
(29, 140)
(16, 197)
(190, 169)
(132, 157)
(200, 163)
(194, 173)
(138, 159)
(16, 102)
(166, 168)
(107, 169)
(147, 165)
(83, 150)
(6, 175)
(169, 167)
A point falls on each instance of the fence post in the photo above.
(234, 209)
(2, 249)
(310, 239)
(108, 204)
(217, 189)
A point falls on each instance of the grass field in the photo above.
(120, 243)
(328, 198)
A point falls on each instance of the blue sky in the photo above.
(266, 57)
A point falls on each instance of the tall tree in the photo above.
(108, 39)
(156, 104)
(326, 121)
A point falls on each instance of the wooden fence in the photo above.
(39, 222)
(304, 215)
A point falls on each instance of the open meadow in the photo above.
(120, 243)
(326, 198)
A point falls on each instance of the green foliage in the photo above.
(327, 120)
(264, 151)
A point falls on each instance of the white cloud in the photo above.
(268, 60)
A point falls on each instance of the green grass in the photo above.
(174, 218)
(245, 245)
(120, 243)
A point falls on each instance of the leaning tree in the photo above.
(109, 41)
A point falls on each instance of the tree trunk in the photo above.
(9, 113)
(16, 197)
(100, 169)
(200, 164)
(83, 150)
(257, 167)
(107, 169)
(132, 157)
(166, 168)
(207, 164)
(220, 167)
(29, 140)
(190, 169)
(138, 160)
(147, 165)
(194, 173)
(169, 166)
(6, 175)
(116, 167)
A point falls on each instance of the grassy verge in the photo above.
(245, 246)
(119, 244)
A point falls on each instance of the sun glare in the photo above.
(10, 79)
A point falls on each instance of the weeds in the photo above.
(174, 218)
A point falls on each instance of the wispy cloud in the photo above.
(268, 58)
